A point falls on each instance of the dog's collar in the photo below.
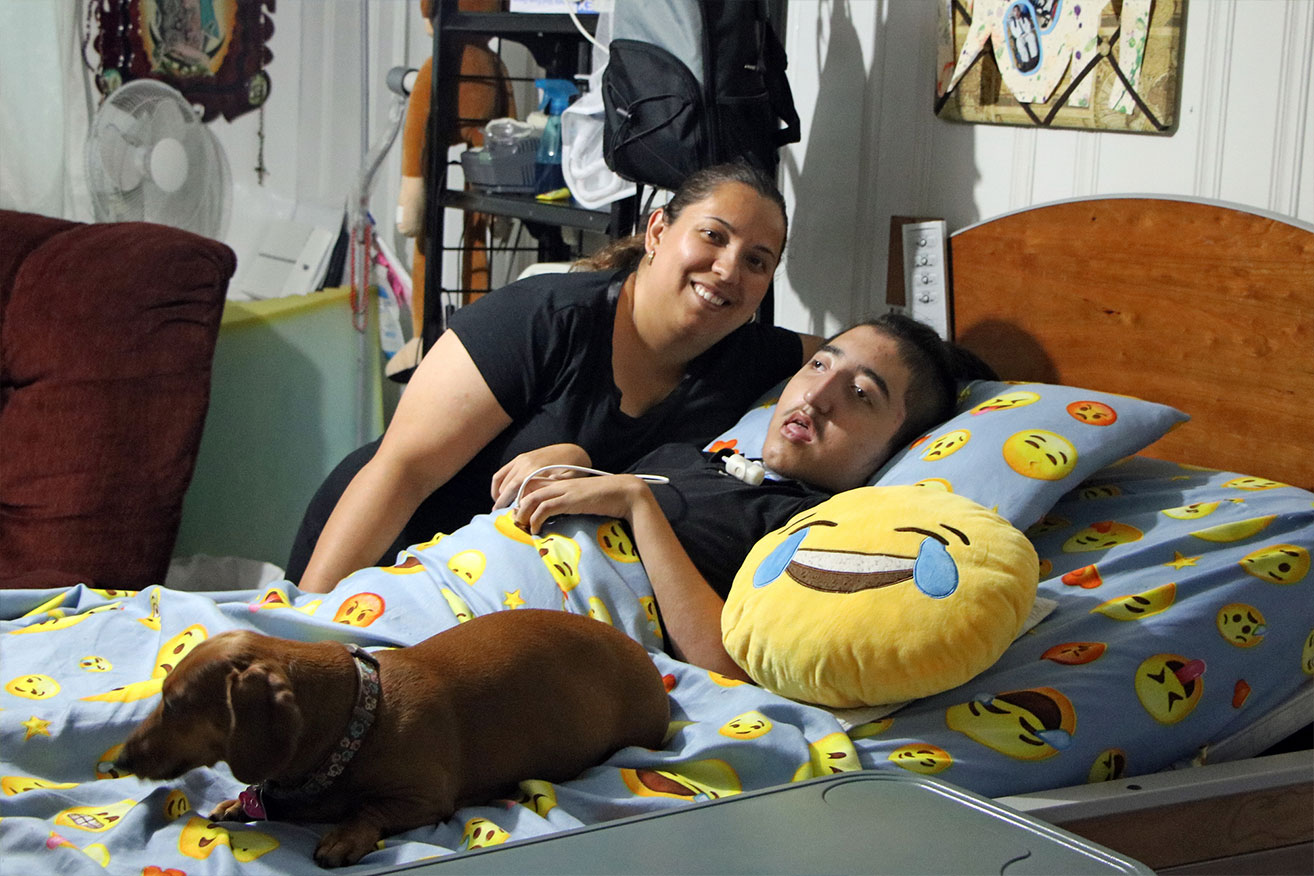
(362, 717)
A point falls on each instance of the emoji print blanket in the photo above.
(1183, 616)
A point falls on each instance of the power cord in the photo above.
(652, 479)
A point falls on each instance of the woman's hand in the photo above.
(603, 495)
(508, 478)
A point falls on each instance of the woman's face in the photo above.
(711, 267)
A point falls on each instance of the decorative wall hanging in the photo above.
(213, 51)
(1096, 64)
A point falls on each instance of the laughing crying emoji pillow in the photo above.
(879, 595)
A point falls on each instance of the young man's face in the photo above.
(835, 419)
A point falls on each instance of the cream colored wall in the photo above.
(862, 72)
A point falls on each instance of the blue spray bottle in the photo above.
(547, 171)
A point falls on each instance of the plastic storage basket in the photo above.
(506, 170)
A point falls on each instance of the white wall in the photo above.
(863, 78)
(863, 73)
(314, 141)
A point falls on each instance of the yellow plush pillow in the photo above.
(879, 595)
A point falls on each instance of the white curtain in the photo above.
(46, 98)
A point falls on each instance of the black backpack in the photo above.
(692, 83)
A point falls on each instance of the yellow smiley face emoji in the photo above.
(1307, 655)
(695, 780)
(1101, 536)
(616, 543)
(1277, 564)
(468, 564)
(1040, 454)
(105, 768)
(96, 819)
(832, 754)
(1031, 724)
(176, 805)
(1193, 511)
(1006, 402)
(871, 728)
(177, 648)
(560, 554)
(649, 606)
(1138, 605)
(458, 606)
(749, 725)
(598, 611)
(922, 757)
(1169, 686)
(946, 445)
(1047, 524)
(1111, 764)
(480, 833)
(95, 664)
(1252, 484)
(410, 565)
(1237, 530)
(506, 525)
(128, 693)
(925, 562)
(33, 687)
(14, 785)
(538, 796)
(271, 599)
(1241, 625)
(200, 837)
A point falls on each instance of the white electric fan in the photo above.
(151, 158)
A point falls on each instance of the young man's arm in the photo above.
(691, 609)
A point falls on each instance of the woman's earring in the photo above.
(651, 253)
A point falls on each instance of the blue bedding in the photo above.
(1183, 614)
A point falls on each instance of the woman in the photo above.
(661, 349)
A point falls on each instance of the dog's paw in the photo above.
(346, 844)
(229, 810)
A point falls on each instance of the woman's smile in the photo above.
(710, 296)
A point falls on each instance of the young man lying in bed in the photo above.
(867, 392)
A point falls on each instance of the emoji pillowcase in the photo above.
(1018, 447)
(879, 595)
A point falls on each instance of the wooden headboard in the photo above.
(1206, 307)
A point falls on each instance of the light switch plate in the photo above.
(926, 274)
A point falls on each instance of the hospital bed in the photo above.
(1208, 307)
(1201, 308)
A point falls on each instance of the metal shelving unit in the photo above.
(562, 52)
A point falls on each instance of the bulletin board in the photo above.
(1108, 65)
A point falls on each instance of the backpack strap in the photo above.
(778, 90)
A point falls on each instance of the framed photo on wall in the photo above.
(1108, 65)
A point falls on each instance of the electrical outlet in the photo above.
(926, 274)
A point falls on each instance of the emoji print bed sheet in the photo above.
(1184, 614)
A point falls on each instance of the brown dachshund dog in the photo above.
(384, 743)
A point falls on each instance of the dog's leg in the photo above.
(229, 810)
(351, 840)
(380, 817)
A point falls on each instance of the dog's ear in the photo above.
(264, 722)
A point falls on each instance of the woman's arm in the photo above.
(446, 416)
(691, 609)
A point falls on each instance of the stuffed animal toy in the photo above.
(880, 595)
(483, 93)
